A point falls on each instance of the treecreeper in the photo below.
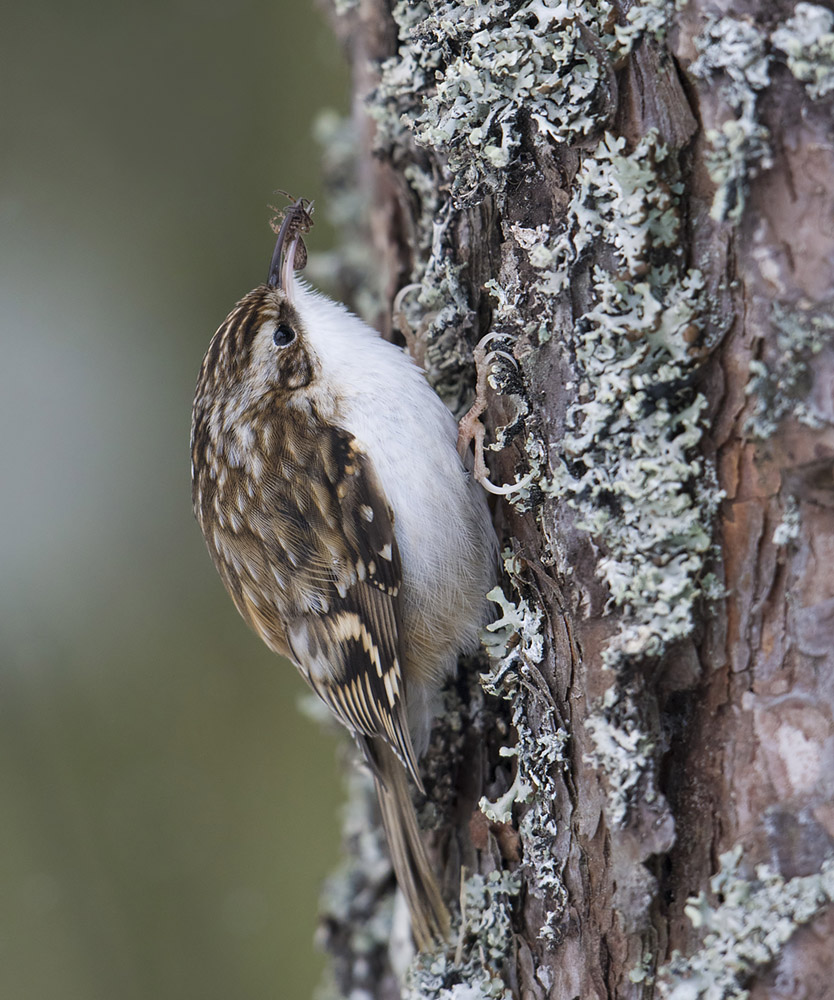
(333, 499)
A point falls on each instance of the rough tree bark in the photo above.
(636, 200)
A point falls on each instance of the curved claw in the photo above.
(509, 488)
(401, 294)
(489, 337)
(498, 353)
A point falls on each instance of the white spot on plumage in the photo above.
(255, 464)
(389, 689)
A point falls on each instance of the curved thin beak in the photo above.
(296, 221)
(288, 267)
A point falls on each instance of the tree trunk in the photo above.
(636, 202)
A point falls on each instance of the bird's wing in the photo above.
(349, 645)
(303, 537)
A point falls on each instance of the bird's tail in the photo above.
(429, 916)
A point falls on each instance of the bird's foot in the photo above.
(470, 428)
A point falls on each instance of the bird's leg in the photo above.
(470, 427)
(414, 342)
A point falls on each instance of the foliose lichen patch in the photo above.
(735, 51)
(745, 930)
(778, 383)
(621, 749)
(467, 80)
(516, 648)
(807, 39)
(485, 946)
(472, 68)
(788, 528)
(628, 463)
(737, 55)
(468, 74)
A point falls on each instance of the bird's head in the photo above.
(259, 351)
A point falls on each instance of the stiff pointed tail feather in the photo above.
(429, 916)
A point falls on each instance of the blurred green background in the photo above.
(166, 814)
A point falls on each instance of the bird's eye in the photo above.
(283, 335)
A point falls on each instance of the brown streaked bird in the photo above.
(333, 501)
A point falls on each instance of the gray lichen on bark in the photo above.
(643, 218)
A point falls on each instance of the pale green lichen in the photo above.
(651, 19)
(475, 66)
(632, 440)
(466, 78)
(807, 39)
(438, 307)
(444, 296)
(644, 972)
(516, 648)
(547, 258)
(467, 73)
(621, 750)
(519, 792)
(628, 461)
(735, 49)
(779, 382)
(736, 52)
(745, 930)
(484, 946)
